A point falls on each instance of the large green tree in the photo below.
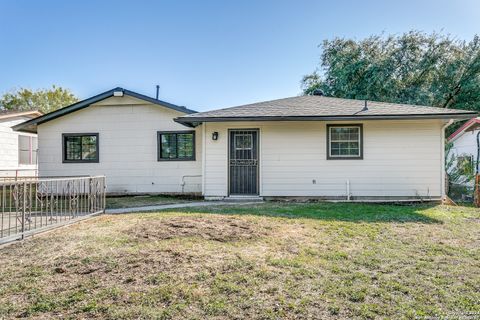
(415, 68)
(45, 100)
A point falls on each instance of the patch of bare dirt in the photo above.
(222, 229)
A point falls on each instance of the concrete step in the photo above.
(243, 199)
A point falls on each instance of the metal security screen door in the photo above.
(243, 162)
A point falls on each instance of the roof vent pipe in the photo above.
(365, 107)
(158, 90)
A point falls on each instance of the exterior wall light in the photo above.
(215, 136)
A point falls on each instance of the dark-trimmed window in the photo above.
(344, 141)
(176, 145)
(80, 147)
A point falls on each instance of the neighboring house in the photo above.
(464, 144)
(306, 146)
(18, 151)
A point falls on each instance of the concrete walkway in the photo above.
(177, 205)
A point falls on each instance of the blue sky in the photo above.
(203, 54)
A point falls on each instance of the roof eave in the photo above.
(187, 124)
(467, 125)
(30, 129)
(86, 103)
(194, 121)
(30, 113)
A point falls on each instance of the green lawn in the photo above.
(268, 261)
(139, 201)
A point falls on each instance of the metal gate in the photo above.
(243, 162)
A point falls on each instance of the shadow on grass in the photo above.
(353, 212)
(122, 201)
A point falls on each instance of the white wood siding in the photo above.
(127, 129)
(401, 159)
(9, 147)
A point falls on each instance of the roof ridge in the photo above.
(376, 102)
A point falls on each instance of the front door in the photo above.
(243, 162)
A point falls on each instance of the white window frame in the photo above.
(30, 150)
(358, 156)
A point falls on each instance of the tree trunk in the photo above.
(452, 96)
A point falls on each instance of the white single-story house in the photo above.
(304, 146)
(466, 142)
(18, 151)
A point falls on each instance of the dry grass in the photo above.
(145, 200)
(268, 261)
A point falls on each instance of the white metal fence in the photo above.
(32, 205)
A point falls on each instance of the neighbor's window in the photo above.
(178, 145)
(80, 147)
(27, 149)
(344, 142)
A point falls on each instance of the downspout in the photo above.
(204, 155)
(443, 173)
(348, 191)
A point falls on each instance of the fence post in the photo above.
(104, 180)
(476, 195)
(24, 205)
(89, 195)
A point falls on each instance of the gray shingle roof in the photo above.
(321, 107)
